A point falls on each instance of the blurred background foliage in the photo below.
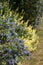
(31, 9)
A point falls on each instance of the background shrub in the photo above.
(32, 10)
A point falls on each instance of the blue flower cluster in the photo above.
(12, 49)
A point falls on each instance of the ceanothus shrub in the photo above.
(12, 49)
(13, 36)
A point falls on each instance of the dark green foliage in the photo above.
(30, 7)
